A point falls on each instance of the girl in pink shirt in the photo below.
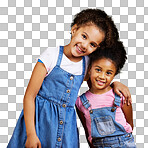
(107, 121)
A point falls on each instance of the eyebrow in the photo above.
(111, 70)
(88, 36)
(98, 67)
(85, 33)
(101, 68)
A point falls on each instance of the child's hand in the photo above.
(120, 89)
(32, 142)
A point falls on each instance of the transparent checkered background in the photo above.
(28, 27)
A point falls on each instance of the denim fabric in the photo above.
(104, 128)
(55, 116)
(124, 141)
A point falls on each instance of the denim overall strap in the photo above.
(117, 100)
(60, 59)
(85, 102)
(83, 73)
(60, 55)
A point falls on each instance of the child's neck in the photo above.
(100, 91)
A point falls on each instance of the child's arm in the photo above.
(34, 85)
(83, 121)
(120, 89)
(128, 113)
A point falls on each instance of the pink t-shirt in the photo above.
(99, 101)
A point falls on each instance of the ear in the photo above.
(74, 29)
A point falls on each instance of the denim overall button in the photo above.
(113, 109)
(71, 78)
(64, 105)
(128, 135)
(61, 122)
(91, 111)
(59, 139)
(68, 91)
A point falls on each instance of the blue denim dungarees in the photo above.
(105, 131)
(55, 116)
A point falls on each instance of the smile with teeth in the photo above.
(99, 82)
(79, 49)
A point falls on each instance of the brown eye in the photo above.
(98, 70)
(84, 36)
(108, 73)
(92, 44)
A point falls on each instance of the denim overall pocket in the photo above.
(105, 125)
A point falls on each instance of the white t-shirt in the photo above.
(50, 56)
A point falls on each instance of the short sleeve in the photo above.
(49, 58)
(40, 61)
(79, 104)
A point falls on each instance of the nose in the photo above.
(102, 75)
(85, 45)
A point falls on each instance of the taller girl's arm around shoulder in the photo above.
(34, 85)
(128, 113)
(122, 90)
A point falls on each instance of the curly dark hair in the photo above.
(116, 53)
(103, 21)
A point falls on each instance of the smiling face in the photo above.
(84, 40)
(101, 74)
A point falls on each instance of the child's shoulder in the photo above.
(78, 101)
(51, 50)
(49, 57)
